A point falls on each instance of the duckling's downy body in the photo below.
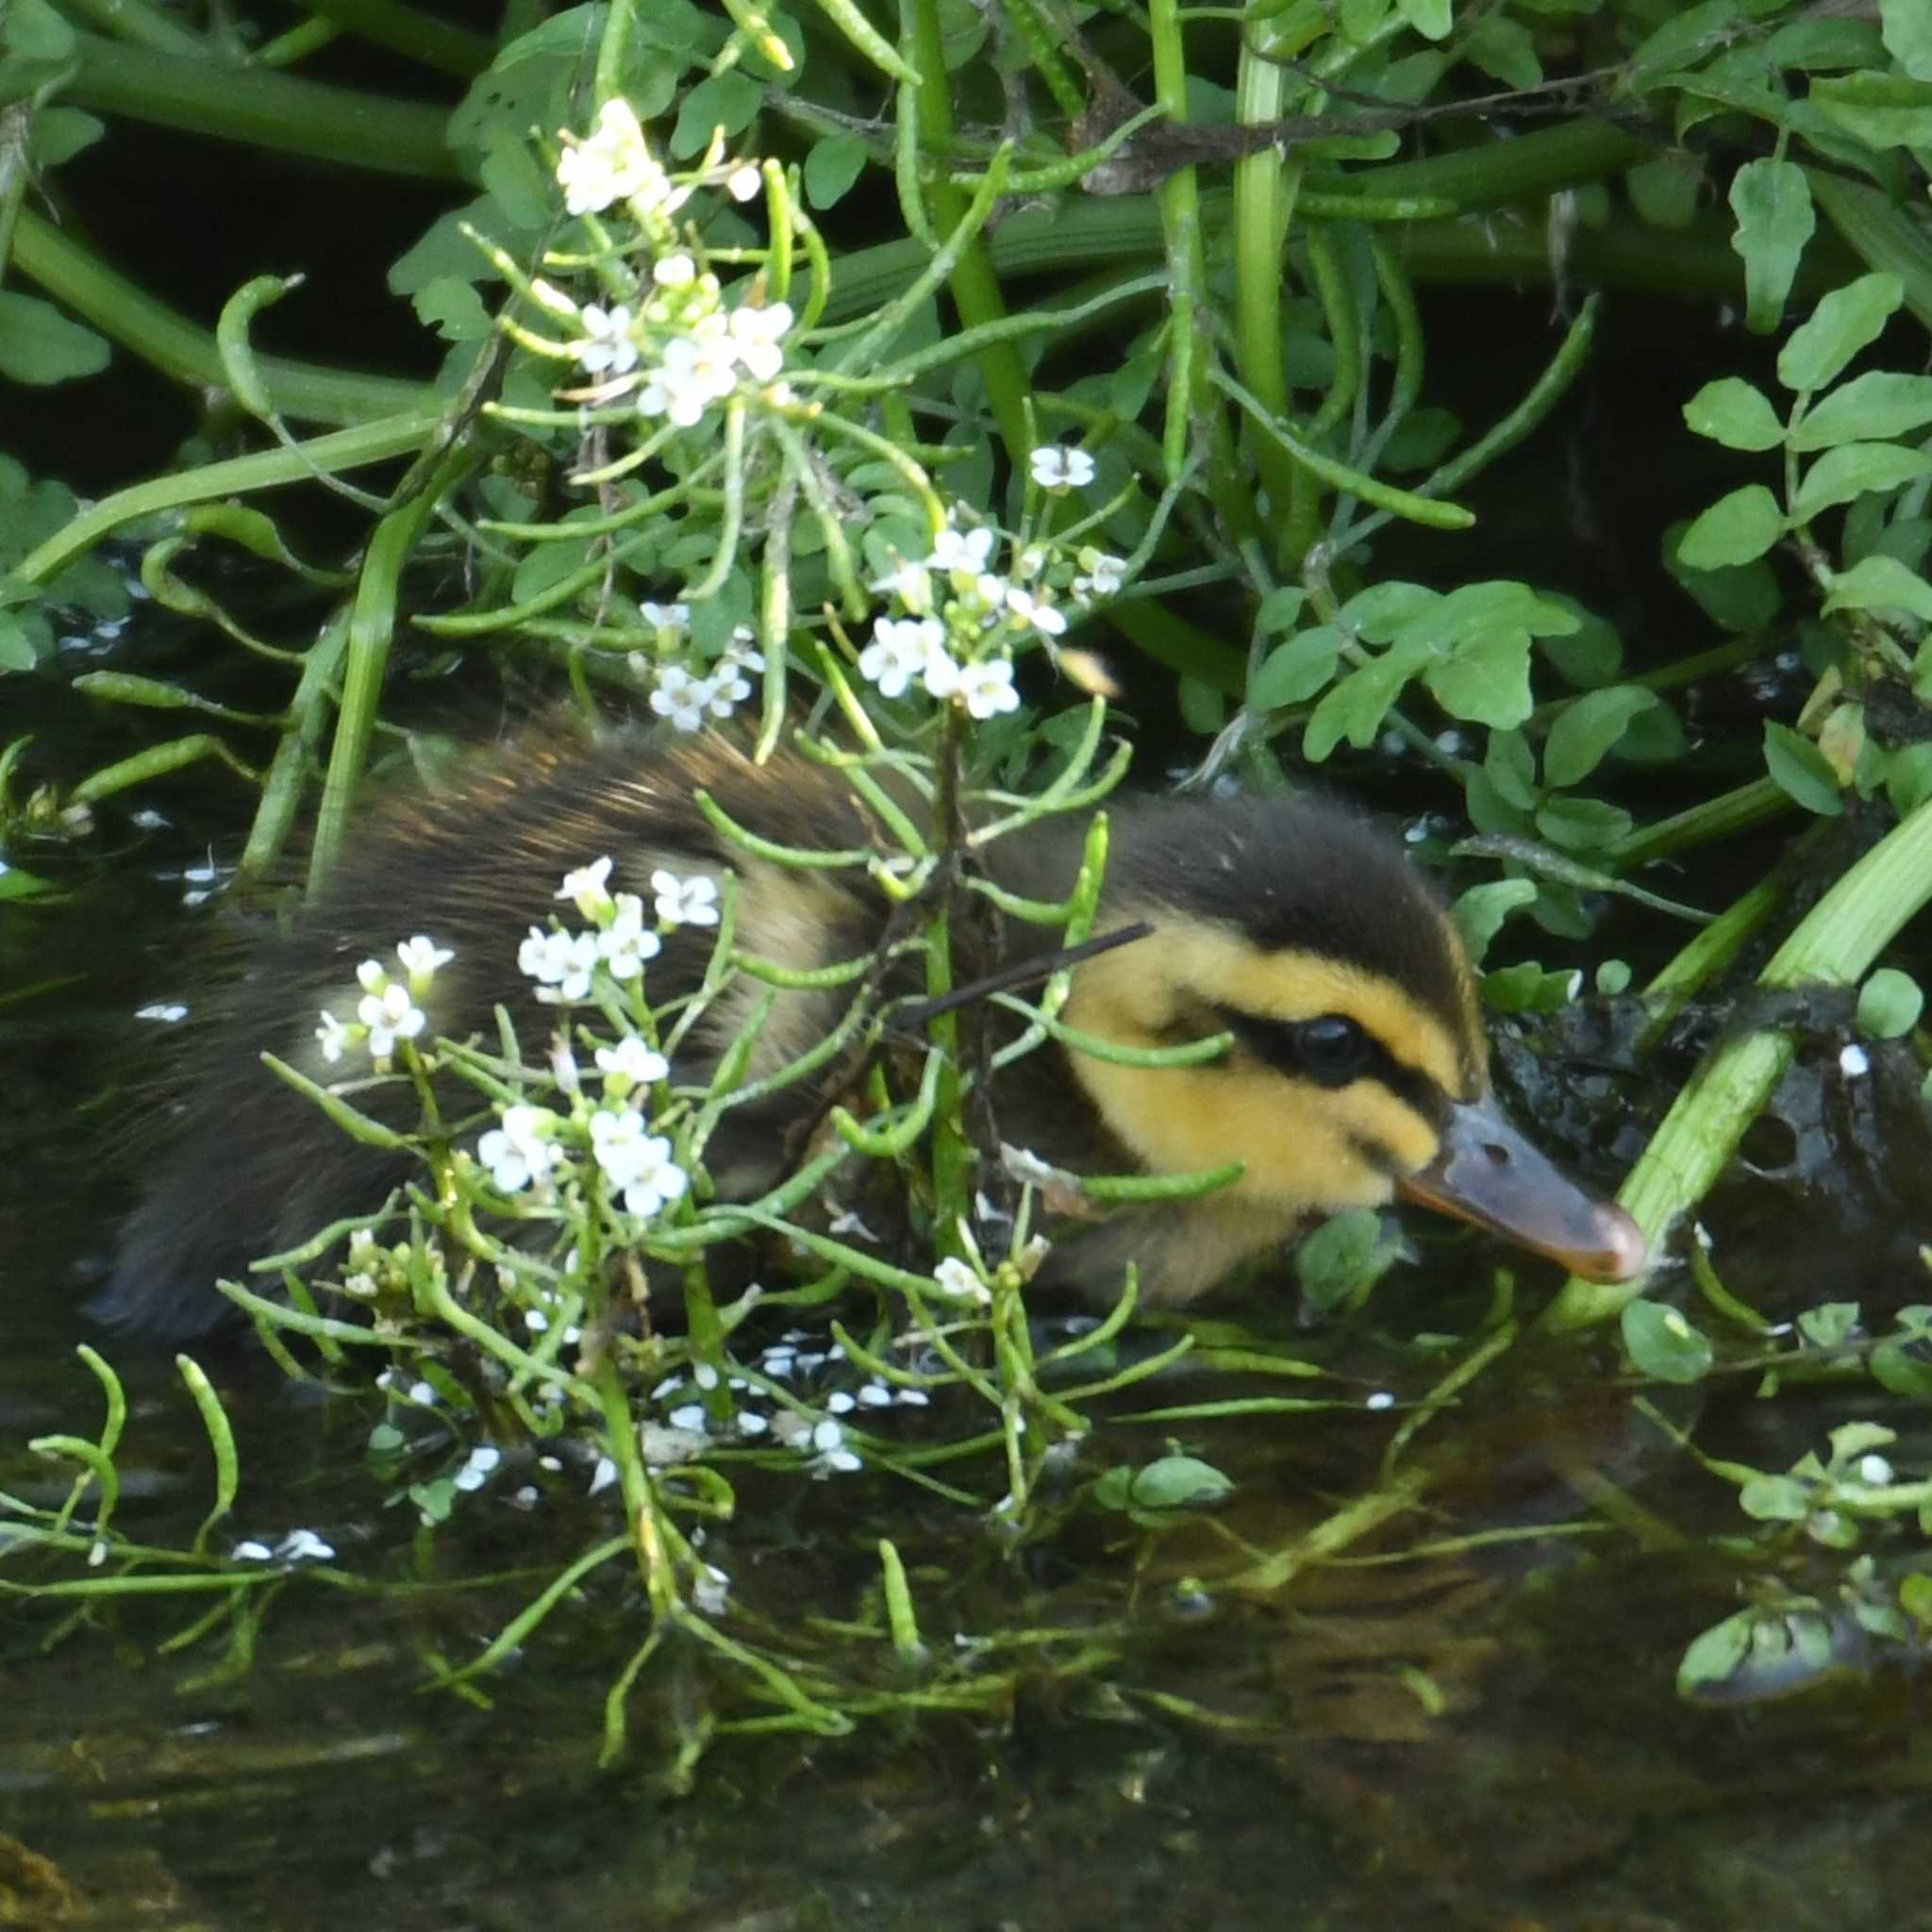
(1359, 1068)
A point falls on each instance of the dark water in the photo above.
(1121, 1726)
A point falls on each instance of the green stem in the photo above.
(1835, 944)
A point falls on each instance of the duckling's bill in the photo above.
(1485, 1173)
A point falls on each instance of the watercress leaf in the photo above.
(1880, 583)
(1736, 413)
(1588, 729)
(1775, 1499)
(831, 166)
(1430, 18)
(1880, 403)
(1381, 611)
(1280, 610)
(1771, 201)
(1851, 469)
(1480, 912)
(1355, 708)
(1735, 529)
(1664, 1344)
(1844, 322)
(1909, 778)
(1486, 682)
(1296, 670)
(38, 345)
(1879, 109)
(1666, 191)
(1800, 770)
(1582, 824)
(1906, 29)
(1180, 1482)
(729, 101)
(1511, 767)
(1889, 1004)
(1714, 1655)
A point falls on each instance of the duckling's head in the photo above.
(1359, 1068)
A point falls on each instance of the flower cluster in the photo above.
(388, 1011)
(964, 617)
(687, 699)
(564, 963)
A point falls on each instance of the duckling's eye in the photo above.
(1332, 1049)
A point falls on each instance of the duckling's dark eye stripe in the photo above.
(1279, 1045)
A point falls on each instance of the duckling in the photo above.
(1357, 1071)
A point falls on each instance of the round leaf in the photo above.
(1736, 528)
(1589, 728)
(1662, 1344)
(1889, 1004)
(1735, 413)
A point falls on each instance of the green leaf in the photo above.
(1582, 824)
(831, 166)
(1852, 470)
(1480, 912)
(1879, 109)
(1510, 765)
(1879, 404)
(1775, 1499)
(1589, 728)
(1735, 413)
(1344, 1257)
(1771, 201)
(1486, 682)
(1736, 528)
(729, 101)
(1830, 1324)
(1662, 1344)
(1889, 1004)
(1354, 710)
(1844, 322)
(1906, 26)
(1666, 191)
(1432, 19)
(1800, 770)
(1880, 583)
(1179, 1482)
(17, 652)
(58, 134)
(1902, 1364)
(1714, 1657)
(1296, 670)
(1908, 778)
(40, 346)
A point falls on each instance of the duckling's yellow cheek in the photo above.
(1299, 1144)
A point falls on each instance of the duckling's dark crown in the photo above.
(1295, 874)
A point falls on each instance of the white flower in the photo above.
(1060, 468)
(690, 375)
(1028, 608)
(421, 956)
(681, 697)
(617, 1140)
(561, 963)
(632, 1061)
(956, 1278)
(612, 163)
(674, 271)
(686, 901)
(902, 649)
(910, 583)
(755, 334)
(626, 943)
(332, 1036)
(659, 1179)
(520, 1150)
(941, 676)
(988, 686)
(587, 887)
(743, 653)
(478, 1467)
(390, 1016)
(607, 347)
(960, 550)
(372, 975)
(1103, 576)
(744, 181)
(666, 616)
(828, 1439)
